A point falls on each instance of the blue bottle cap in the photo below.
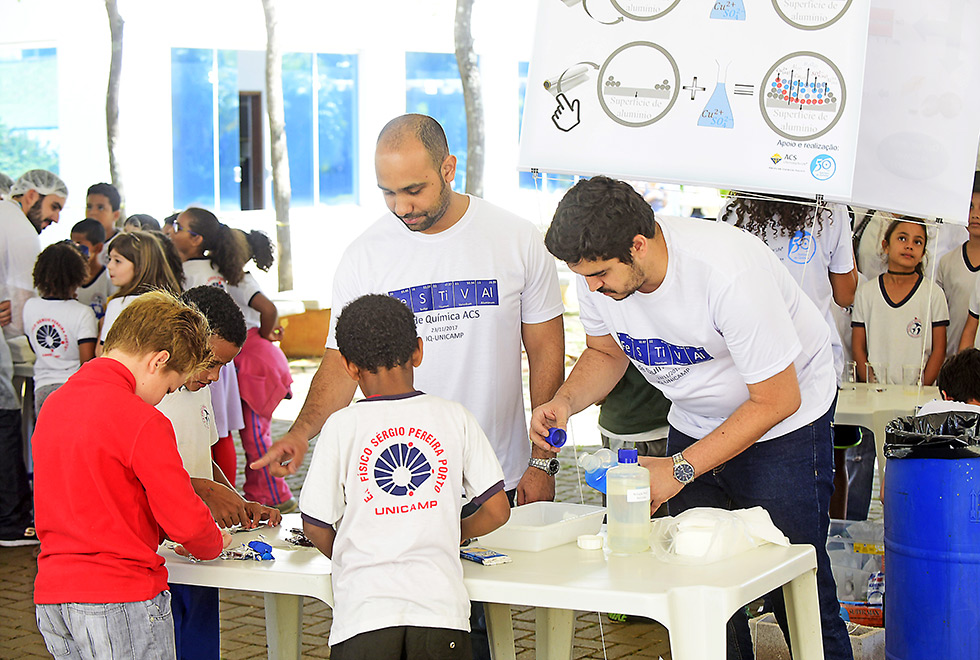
(557, 437)
(627, 455)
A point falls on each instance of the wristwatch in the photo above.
(683, 471)
(549, 465)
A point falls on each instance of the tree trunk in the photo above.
(469, 73)
(281, 191)
(112, 97)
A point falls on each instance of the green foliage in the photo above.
(19, 153)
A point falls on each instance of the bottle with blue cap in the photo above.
(628, 512)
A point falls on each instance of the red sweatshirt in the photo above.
(108, 485)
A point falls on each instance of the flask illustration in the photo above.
(728, 10)
(717, 112)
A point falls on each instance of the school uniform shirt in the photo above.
(55, 329)
(470, 287)
(96, 294)
(810, 255)
(726, 315)
(108, 487)
(242, 293)
(957, 277)
(192, 418)
(897, 330)
(392, 471)
(112, 311)
(201, 272)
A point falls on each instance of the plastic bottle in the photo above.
(628, 514)
(595, 466)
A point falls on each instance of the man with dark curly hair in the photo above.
(710, 317)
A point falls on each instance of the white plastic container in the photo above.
(542, 525)
(628, 497)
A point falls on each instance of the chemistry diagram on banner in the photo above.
(762, 95)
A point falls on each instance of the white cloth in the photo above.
(726, 315)
(55, 328)
(226, 398)
(19, 247)
(810, 256)
(193, 422)
(393, 472)
(897, 331)
(242, 293)
(112, 311)
(96, 294)
(958, 279)
(941, 406)
(471, 287)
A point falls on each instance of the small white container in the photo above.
(542, 525)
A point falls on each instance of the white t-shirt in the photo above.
(393, 470)
(193, 421)
(810, 255)
(470, 287)
(958, 280)
(940, 406)
(242, 293)
(201, 272)
(897, 330)
(96, 295)
(726, 315)
(19, 247)
(55, 328)
(112, 311)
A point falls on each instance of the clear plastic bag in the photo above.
(704, 535)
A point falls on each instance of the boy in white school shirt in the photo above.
(383, 494)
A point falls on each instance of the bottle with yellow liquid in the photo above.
(628, 512)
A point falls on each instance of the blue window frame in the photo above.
(29, 127)
(337, 127)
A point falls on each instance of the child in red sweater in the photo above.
(107, 493)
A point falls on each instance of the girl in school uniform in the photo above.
(901, 313)
(139, 262)
(212, 257)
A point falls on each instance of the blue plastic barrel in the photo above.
(932, 559)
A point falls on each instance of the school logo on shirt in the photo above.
(98, 305)
(206, 416)
(801, 248)
(914, 328)
(51, 337)
(399, 461)
(659, 353)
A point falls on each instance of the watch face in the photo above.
(553, 466)
(684, 472)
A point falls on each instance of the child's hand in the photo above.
(257, 513)
(225, 539)
(6, 315)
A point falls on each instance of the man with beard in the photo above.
(708, 315)
(479, 282)
(36, 200)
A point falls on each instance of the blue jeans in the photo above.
(792, 477)
(142, 630)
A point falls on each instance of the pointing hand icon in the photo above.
(566, 115)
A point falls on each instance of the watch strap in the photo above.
(544, 464)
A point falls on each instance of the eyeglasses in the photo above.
(78, 246)
(178, 228)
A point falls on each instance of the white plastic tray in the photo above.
(542, 525)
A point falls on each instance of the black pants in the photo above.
(404, 643)
(15, 493)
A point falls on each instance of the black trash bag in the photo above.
(939, 435)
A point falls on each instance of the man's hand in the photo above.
(555, 413)
(535, 486)
(257, 513)
(5, 314)
(284, 456)
(663, 486)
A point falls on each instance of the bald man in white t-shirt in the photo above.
(709, 316)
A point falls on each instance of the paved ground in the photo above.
(242, 613)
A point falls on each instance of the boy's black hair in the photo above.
(92, 229)
(221, 311)
(170, 219)
(377, 332)
(108, 191)
(596, 220)
(959, 377)
(143, 222)
(59, 270)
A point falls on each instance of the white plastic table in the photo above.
(873, 406)
(693, 602)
